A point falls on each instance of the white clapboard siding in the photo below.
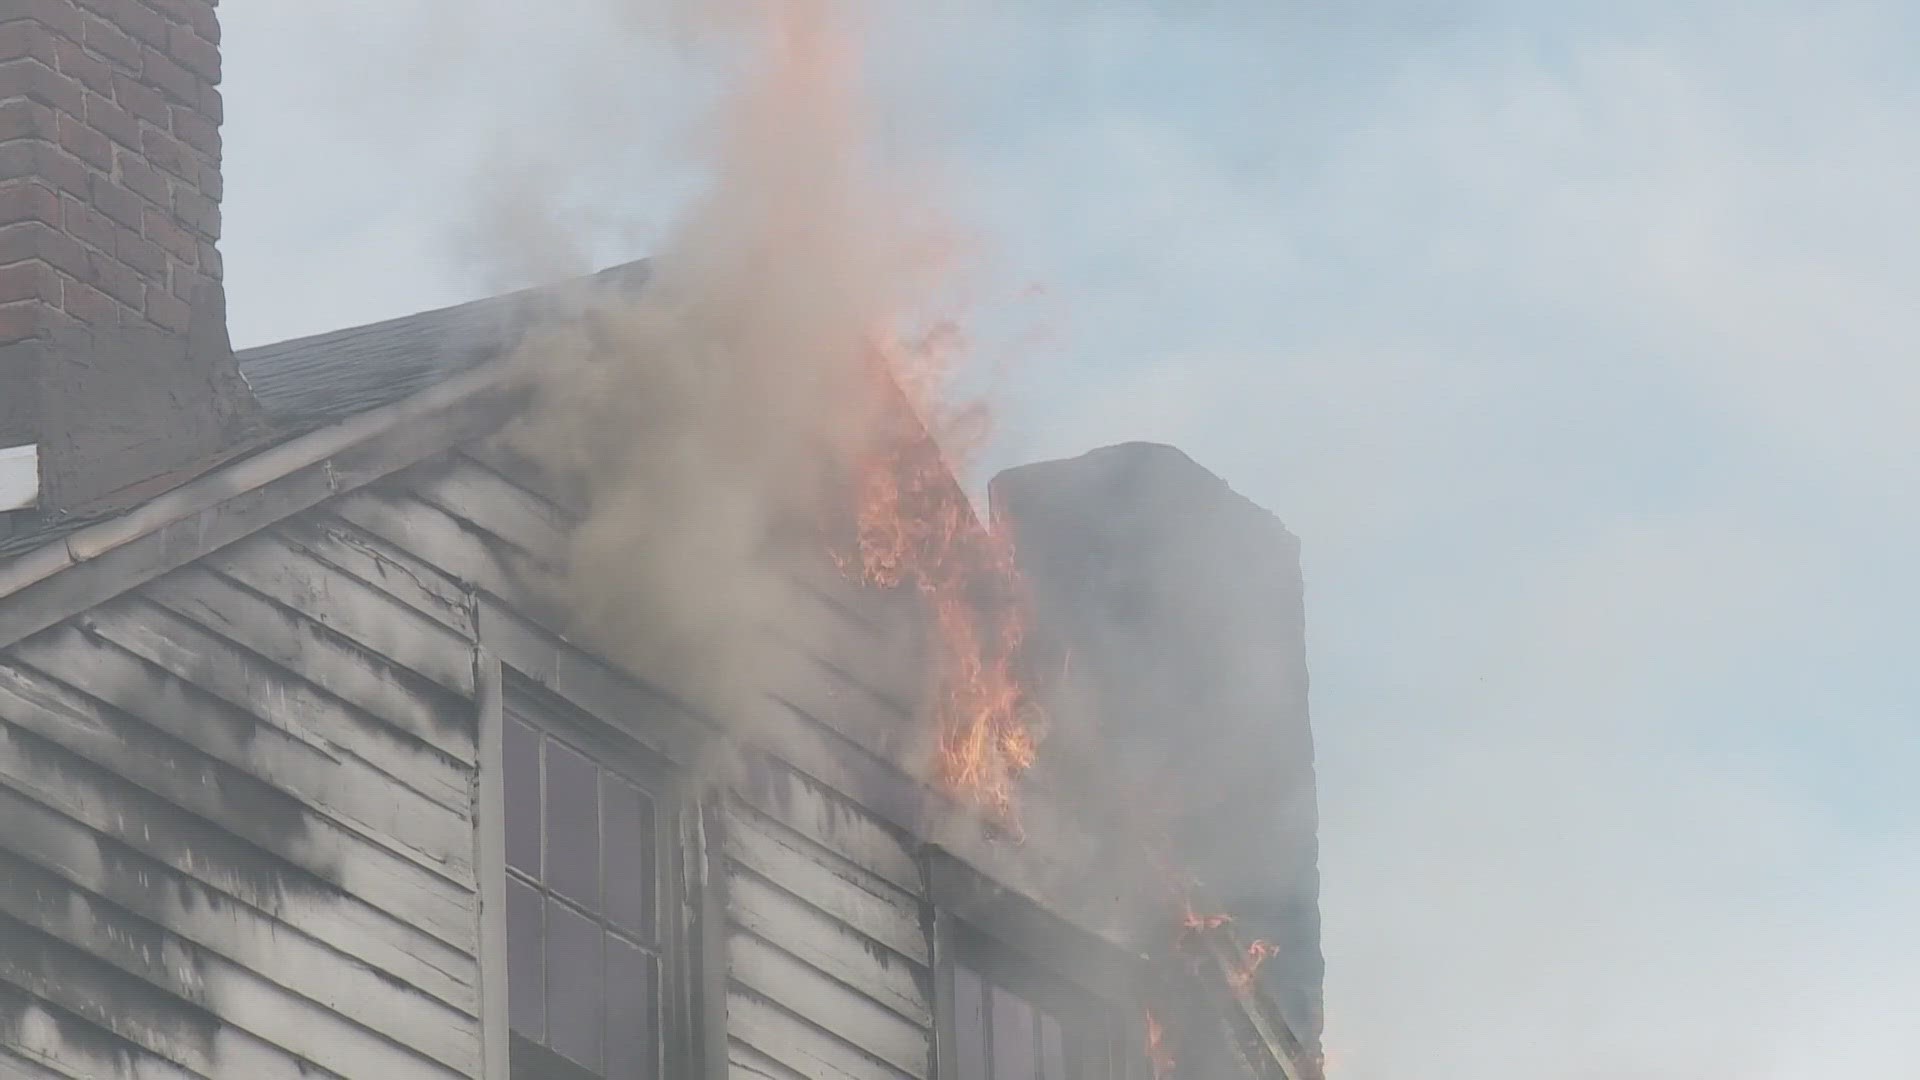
(350, 607)
(839, 888)
(35, 1037)
(263, 814)
(835, 949)
(217, 698)
(240, 996)
(468, 491)
(281, 953)
(800, 1044)
(104, 803)
(831, 820)
(746, 1063)
(372, 682)
(239, 822)
(413, 581)
(827, 953)
(431, 534)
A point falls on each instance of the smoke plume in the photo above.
(703, 417)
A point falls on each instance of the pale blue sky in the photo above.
(1578, 348)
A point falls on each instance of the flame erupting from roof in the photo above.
(1259, 951)
(916, 528)
(1256, 953)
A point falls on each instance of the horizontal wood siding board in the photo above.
(838, 887)
(796, 751)
(350, 607)
(398, 769)
(493, 453)
(280, 953)
(400, 574)
(14, 1066)
(868, 610)
(778, 975)
(877, 637)
(44, 771)
(96, 579)
(229, 991)
(166, 1026)
(828, 818)
(485, 500)
(831, 947)
(746, 1063)
(470, 555)
(239, 803)
(799, 1043)
(813, 686)
(407, 702)
(659, 723)
(42, 1034)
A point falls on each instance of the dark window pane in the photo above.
(521, 777)
(573, 826)
(1013, 1038)
(574, 984)
(526, 991)
(629, 856)
(531, 1061)
(969, 1025)
(1053, 1051)
(632, 1045)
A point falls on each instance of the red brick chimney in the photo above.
(109, 213)
(109, 161)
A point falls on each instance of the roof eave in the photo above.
(66, 576)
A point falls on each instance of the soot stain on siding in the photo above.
(17, 1006)
(451, 713)
(132, 942)
(165, 695)
(767, 781)
(119, 998)
(255, 875)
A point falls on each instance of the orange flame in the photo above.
(916, 528)
(1158, 1055)
(1258, 952)
(1193, 923)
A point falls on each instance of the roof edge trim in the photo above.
(222, 485)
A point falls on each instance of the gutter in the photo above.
(224, 484)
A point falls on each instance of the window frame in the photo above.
(682, 909)
(1084, 982)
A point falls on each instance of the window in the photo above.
(1006, 1021)
(586, 956)
(1000, 1035)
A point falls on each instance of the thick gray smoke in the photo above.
(1568, 341)
(701, 416)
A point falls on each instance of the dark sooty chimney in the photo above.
(1175, 608)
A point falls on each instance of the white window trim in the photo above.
(490, 863)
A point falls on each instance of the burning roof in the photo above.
(1075, 613)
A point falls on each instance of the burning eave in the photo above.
(1263, 1040)
(1207, 1008)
